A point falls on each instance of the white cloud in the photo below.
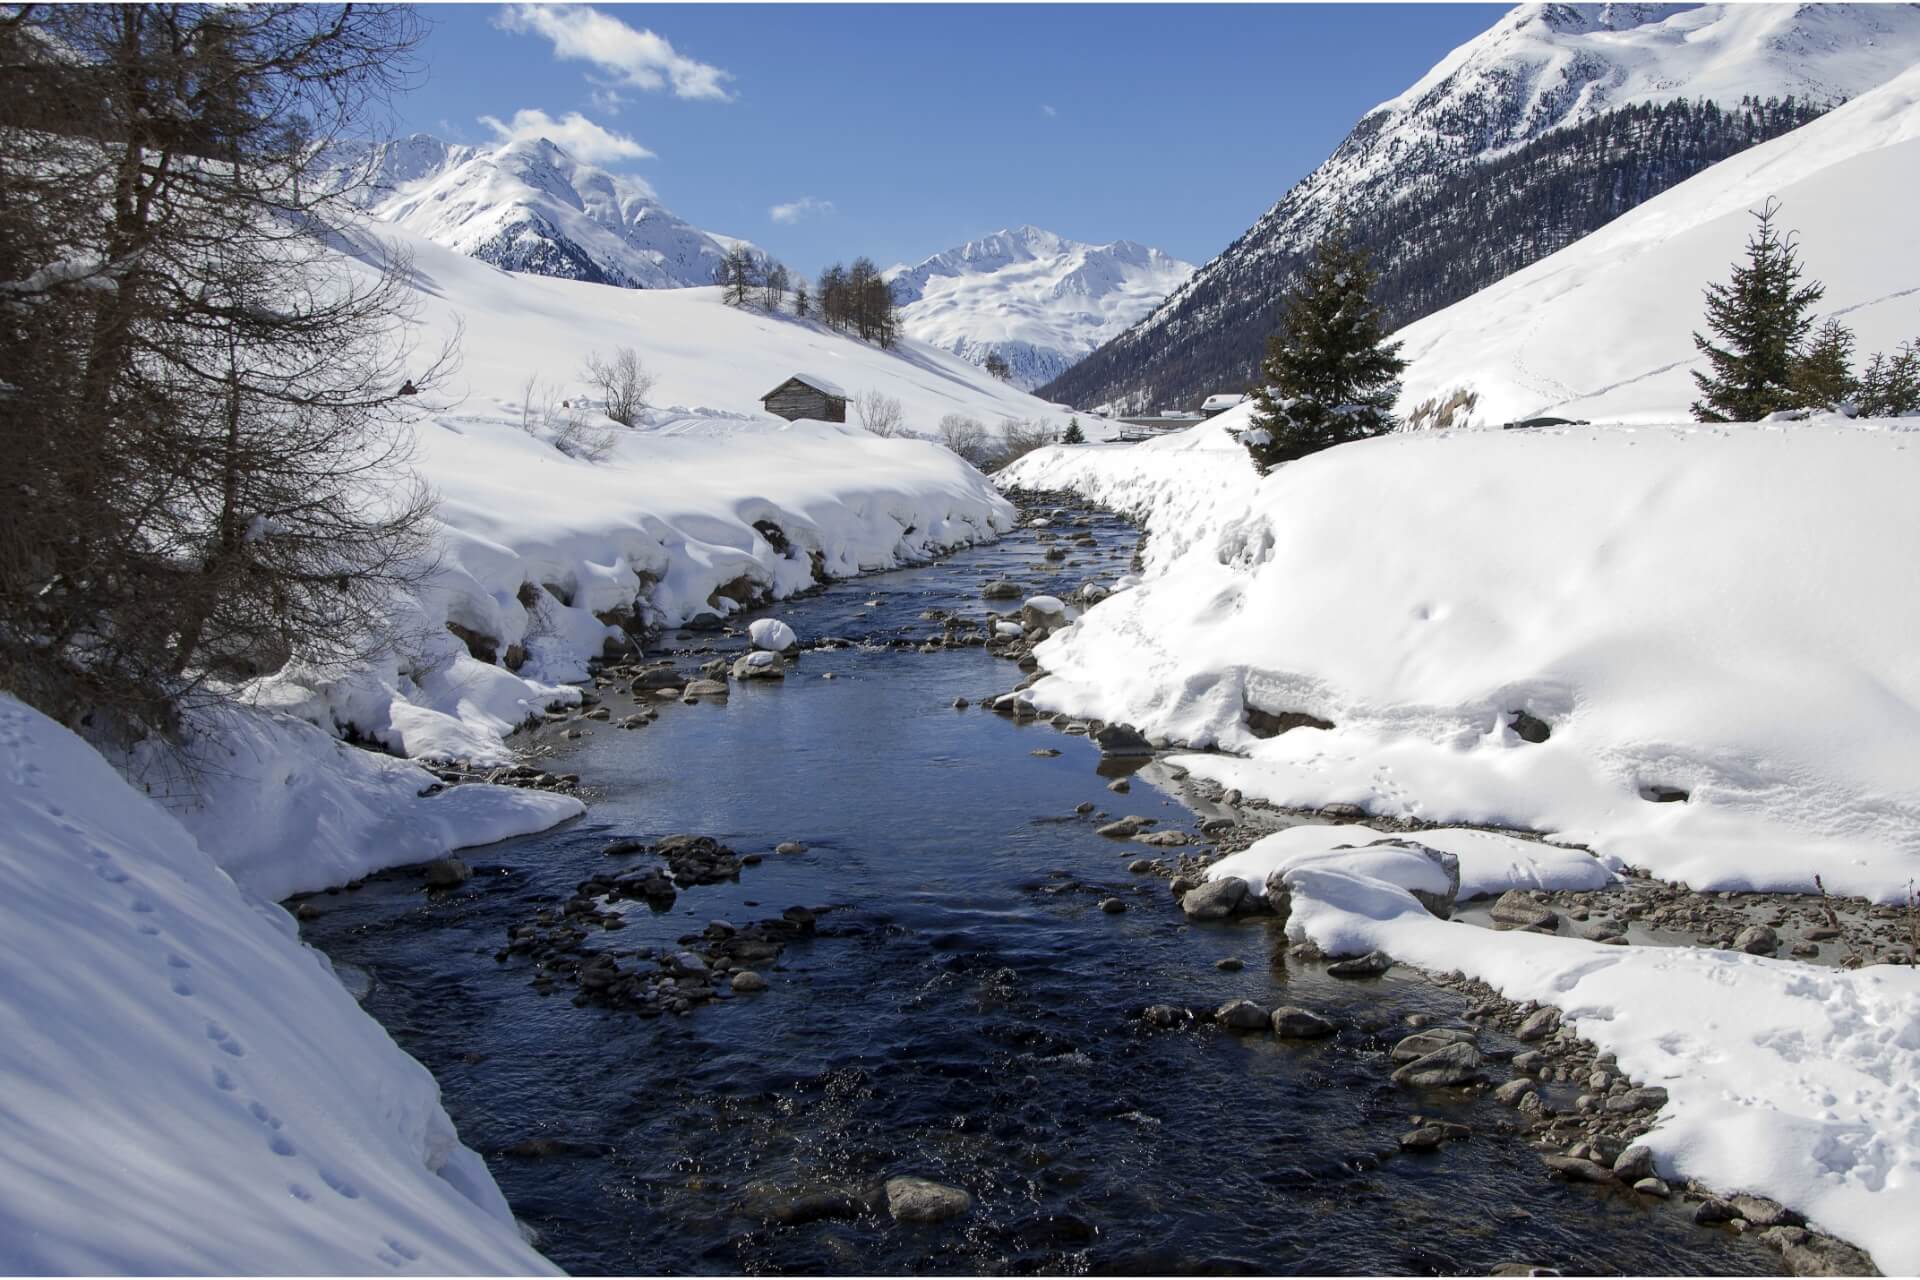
(580, 137)
(638, 59)
(608, 99)
(1048, 108)
(794, 210)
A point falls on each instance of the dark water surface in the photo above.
(966, 1013)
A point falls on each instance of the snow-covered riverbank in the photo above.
(1706, 630)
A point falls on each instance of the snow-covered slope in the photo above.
(186, 1088)
(676, 511)
(1714, 625)
(1539, 69)
(1036, 299)
(1603, 329)
(527, 205)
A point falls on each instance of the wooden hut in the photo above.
(806, 396)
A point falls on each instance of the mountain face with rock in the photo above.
(1037, 300)
(529, 206)
(1556, 120)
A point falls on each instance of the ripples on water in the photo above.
(966, 1012)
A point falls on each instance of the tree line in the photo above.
(1435, 237)
(852, 299)
(1765, 355)
(202, 401)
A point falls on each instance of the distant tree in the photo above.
(1019, 437)
(965, 436)
(1890, 387)
(773, 287)
(739, 275)
(880, 413)
(622, 381)
(1074, 434)
(1823, 373)
(802, 301)
(996, 364)
(1330, 375)
(1759, 320)
(831, 297)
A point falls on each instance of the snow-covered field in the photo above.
(1720, 611)
(1603, 329)
(184, 1088)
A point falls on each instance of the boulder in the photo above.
(1044, 611)
(923, 1200)
(1579, 1169)
(1122, 740)
(445, 873)
(1214, 900)
(1421, 1043)
(1370, 965)
(746, 980)
(1515, 909)
(1634, 1164)
(772, 634)
(1290, 1023)
(705, 689)
(1648, 1099)
(759, 665)
(1538, 1025)
(1243, 1015)
(1000, 590)
(1757, 940)
(1455, 1064)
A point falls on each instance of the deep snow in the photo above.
(1722, 610)
(184, 1087)
(1603, 329)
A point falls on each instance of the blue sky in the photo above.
(826, 131)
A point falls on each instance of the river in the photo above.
(965, 1011)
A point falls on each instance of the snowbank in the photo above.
(186, 1088)
(1603, 328)
(1720, 612)
(1783, 1080)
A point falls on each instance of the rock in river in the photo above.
(922, 1200)
(1291, 1023)
(445, 873)
(1516, 910)
(1122, 740)
(759, 665)
(1455, 1064)
(772, 634)
(1214, 900)
(1243, 1015)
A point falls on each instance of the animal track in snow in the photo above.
(340, 1185)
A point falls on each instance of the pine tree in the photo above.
(1823, 375)
(1330, 374)
(1890, 387)
(1760, 319)
(1074, 434)
(996, 365)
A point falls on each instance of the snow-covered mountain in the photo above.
(1038, 300)
(1603, 329)
(1539, 71)
(528, 206)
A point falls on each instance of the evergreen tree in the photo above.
(996, 364)
(1330, 375)
(1823, 375)
(1074, 434)
(802, 302)
(1760, 319)
(1890, 388)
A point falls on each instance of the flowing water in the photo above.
(966, 1011)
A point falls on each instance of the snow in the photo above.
(188, 1089)
(1724, 610)
(823, 385)
(1719, 610)
(1037, 299)
(1603, 329)
(661, 526)
(1783, 1080)
(772, 634)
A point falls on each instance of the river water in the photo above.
(966, 1011)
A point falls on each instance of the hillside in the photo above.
(1037, 300)
(1603, 329)
(1503, 115)
(529, 206)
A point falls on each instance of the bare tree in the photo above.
(965, 436)
(1019, 437)
(996, 365)
(773, 287)
(622, 381)
(880, 413)
(567, 424)
(208, 404)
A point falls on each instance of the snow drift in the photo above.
(1603, 329)
(1719, 614)
(186, 1088)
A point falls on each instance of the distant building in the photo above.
(807, 396)
(1219, 403)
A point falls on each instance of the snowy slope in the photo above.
(1038, 300)
(1603, 329)
(527, 205)
(187, 1089)
(1539, 69)
(652, 532)
(1725, 611)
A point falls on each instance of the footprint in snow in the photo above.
(279, 1145)
(340, 1185)
(299, 1192)
(222, 1081)
(404, 1249)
